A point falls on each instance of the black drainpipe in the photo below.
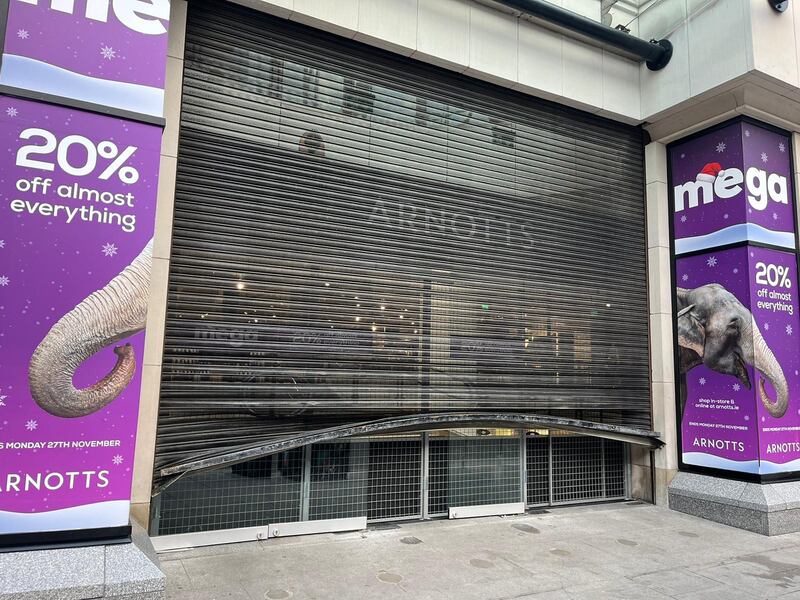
(655, 53)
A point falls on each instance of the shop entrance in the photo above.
(358, 237)
(401, 477)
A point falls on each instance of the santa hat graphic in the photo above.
(710, 172)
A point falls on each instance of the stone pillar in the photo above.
(157, 306)
(661, 343)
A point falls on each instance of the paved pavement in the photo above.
(621, 551)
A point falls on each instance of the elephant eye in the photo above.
(734, 323)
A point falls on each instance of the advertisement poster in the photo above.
(773, 303)
(739, 390)
(107, 52)
(733, 184)
(77, 211)
(718, 423)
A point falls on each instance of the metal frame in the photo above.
(596, 493)
(485, 510)
(319, 526)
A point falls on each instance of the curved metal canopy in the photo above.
(632, 435)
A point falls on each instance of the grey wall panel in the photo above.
(359, 235)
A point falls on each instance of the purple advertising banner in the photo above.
(733, 184)
(774, 305)
(718, 424)
(77, 213)
(107, 52)
(739, 361)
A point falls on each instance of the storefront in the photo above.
(359, 237)
(274, 267)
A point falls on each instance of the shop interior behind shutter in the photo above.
(357, 236)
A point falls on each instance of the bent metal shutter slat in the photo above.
(358, 235)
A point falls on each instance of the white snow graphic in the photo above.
(109, 250)
(2, 244)
(108, 53)
(11, 111)
(702, 381)
(764, 157)
(4, 281)
(23, 34)
(789, 330)
(3, 400)
(782, 147)
(721, 147)
(712, 261)
(746, 133)
(683, 218)
(31, 425)
(117, 460)
(736, 387)
(685, 278)
(766, 326)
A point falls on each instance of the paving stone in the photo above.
(596, 553)
(675, 581)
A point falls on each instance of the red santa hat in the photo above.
(710, 172)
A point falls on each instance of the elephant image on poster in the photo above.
(107, 316)
(718, 331)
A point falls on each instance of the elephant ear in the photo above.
(691, 332)
(682, 295)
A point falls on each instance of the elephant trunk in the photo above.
(764, 360)
(107, 316)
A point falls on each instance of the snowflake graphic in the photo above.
(11, 111)
(2, 244)
(789, 330)
(735, 271)
(109, 250)
(766, 326)
(782, 147)
(712, 261)
(108, 52)
(4, 281)
(764, 157)
(725, 216)
(683, 218)
(702, 381)
(721, 147)
(747, 417)
(746, 133)
(31, 425)
(775, 216)
(22, 34)
(684, 277)
(117, 460)
(736, 387)
(3, 400)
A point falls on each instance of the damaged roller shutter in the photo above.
(359, 236)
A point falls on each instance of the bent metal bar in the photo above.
(78, 205)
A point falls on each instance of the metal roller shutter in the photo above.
(359, 235)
